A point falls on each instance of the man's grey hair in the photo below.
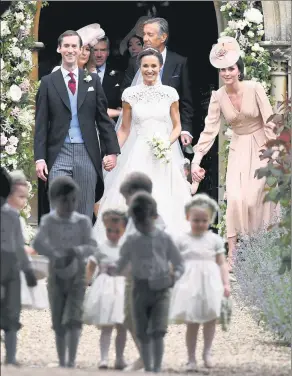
(162, 23)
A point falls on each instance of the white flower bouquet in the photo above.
(160, 147)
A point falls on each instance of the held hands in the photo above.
(198, 173)
(109, 162)
(111, 270)
(29, 250)
(186, 139)
(41, 170)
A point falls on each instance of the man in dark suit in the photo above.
(70, 108)
(174, 72)
(110, 78)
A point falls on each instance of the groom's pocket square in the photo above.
(117, 85)
(90, 88)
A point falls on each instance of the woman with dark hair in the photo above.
(135, 45)
(132, 44)
(148, 138)
(246, 108)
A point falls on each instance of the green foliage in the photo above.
(278, 175)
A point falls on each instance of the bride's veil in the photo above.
(109, 178)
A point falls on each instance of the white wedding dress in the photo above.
(150, 115)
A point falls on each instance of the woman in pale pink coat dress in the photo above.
(246, 108)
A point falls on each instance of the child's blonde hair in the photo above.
(202, 200)
(114, 215)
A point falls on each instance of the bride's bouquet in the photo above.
(160, 147)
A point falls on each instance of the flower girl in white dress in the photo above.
(196, 298)
(104, 302)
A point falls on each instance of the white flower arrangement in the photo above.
(15, 93)
(17, 114)
(112, 73)
(161, 148)
(87, 78)
(253, 15)
(4, 28)
(228, 133)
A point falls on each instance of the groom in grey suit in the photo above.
(70, 106)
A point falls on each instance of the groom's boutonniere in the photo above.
(112, 73)
(87, 78)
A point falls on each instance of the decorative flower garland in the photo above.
(17, 111)
(245, 23)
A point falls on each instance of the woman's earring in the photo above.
(239, 76)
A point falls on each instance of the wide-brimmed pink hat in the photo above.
(225, 53)
(91, 34)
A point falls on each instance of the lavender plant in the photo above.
(261, 287)
(278, 175)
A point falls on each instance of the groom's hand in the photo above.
(41, 170)
(109, 162)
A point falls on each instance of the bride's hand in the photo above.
(198, 173)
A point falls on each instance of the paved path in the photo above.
(245, 350)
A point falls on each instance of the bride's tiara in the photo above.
(151, 49)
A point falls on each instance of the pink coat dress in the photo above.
(246, 212)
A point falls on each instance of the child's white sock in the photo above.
(121, 339)
(209, 333)
(191, 341)
(105, 341)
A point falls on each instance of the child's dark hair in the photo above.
(143, 206)
(5, 183)
(62, 186)
(134, 182)
(115, 216)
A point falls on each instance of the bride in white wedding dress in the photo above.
(149, 108)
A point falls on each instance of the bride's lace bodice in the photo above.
(151, 108)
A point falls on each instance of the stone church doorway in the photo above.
(187, 37)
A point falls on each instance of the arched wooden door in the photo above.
(35, 32)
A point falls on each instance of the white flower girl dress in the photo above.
(198, 294)
(104, 300)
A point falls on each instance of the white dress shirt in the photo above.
(101, 72)
(163, 53)
(66, 76)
